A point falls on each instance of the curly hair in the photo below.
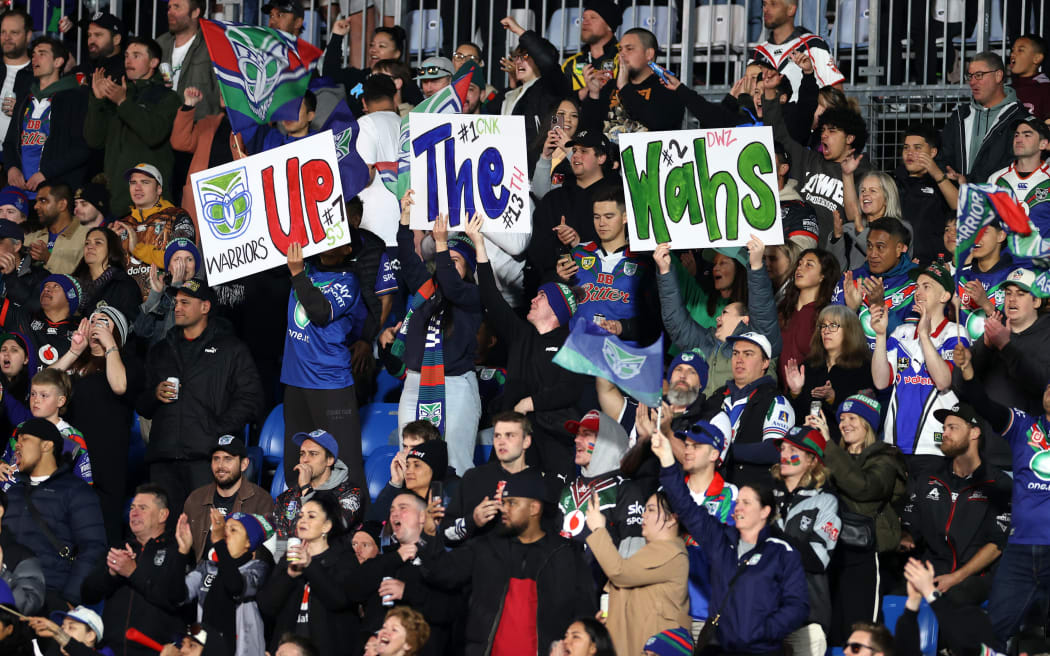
(417, 631)
(849, 121)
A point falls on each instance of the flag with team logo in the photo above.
(262, 73)
(979, 206)
(593, 351)
(395, 175)
(353, 172)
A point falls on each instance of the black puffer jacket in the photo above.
(564, 588)
(71, 511)
(219, 392)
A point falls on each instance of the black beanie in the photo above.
(608, 10)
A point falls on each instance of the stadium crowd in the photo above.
(852, 437)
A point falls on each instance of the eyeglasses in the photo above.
(979, 75)
(523, 56)
(432, 70)
(855, 647)
(830, 327)
(460, 56)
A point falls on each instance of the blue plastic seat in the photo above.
(378, 421)
(271, 437)
(136, 446)
(893, 608)
(278, 485)
(377, 469)
(255, 465)
(388, 388)
(482, 453)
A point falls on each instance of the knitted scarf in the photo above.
(430, 402)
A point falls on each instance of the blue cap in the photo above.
(704, 432)
(322, 437)
(11, 230)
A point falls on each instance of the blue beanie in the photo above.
(181, 244)
(695, 359)
(864, 407)
(465, 247)
(70, 287)
(16, 197)
(257, 528)
(561, 299)
(672, 642)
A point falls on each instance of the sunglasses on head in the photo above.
(431, 70)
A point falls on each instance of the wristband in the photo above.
(111, 349)
(933, 596)
(943, 178)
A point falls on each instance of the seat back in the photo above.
(377, 469)
(378, 421)
(661, 21)
(424, 31)
(721, 25)
(563, 30)
(271, 436)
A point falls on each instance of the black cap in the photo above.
(963, 411)
(1041, 128)
(590, 139)
(95, 194)
(285, 6)
(105, 20)
(11, 230)
(232, 445)
(198, 289)
(528, 483)
(45, 431)
(939, 272)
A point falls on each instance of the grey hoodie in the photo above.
(609, 447)
(980, 122)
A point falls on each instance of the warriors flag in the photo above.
(262, 72)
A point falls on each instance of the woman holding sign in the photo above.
(436, 342)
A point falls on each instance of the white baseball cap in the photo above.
(755, 338)
(145, 169)
(84, 616)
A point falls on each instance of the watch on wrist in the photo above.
(933, 596)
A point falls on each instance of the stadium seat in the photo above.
(949, 11)
(564, 29)
(893, 608)
(813, 15)
(271, 437)
(136, 446)
(388, 388)
(721, 25)
(851, 24)
(378, 421)
(255, 465)
(377, 469)
(278, 485)
(424, 31)
(482, 453)
(661, 21)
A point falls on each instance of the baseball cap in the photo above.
(231, 444)
(145, 169)
(322, 437)
(590, 139)
(1041, 128)
(704, 432)
(963, 411)
(755, 338)
(11, 230)
(285, 7)
(105, 20)
(198, 289)
(433, 68)
(939, 272)
(43, 430)
(736, 253)
(15, 197)
(528, 483)
(82, 615)
(590, 421)
(806, 438)
(1023, 278)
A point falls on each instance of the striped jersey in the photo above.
(779, 57)
(1032, 191)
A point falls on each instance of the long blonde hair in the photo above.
(889, 192)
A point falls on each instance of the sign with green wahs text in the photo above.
(250, 210)
(700, 188)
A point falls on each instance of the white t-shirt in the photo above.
(178, 56)
(7, 90)
(377, 142)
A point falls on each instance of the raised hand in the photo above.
(662, 257)
(191, 96)
(661, 447)
(851, 162)
(440, 230)
(595, 518)
(851, 291)
(756, 250)
(183, 534)
(406, 206)
(794, 376)
(566, 234)
(803, 61)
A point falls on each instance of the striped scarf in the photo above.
(430, 402)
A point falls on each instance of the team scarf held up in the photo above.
(430, 401)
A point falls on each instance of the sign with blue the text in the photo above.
(700, 188)
(251, 209)
(462, 164)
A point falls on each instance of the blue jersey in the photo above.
(36, 126)
(910, 424)
(612, 282)
(899, 290)
(1027, 436)
(719, 500)
(973, 317)
(318, 357)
